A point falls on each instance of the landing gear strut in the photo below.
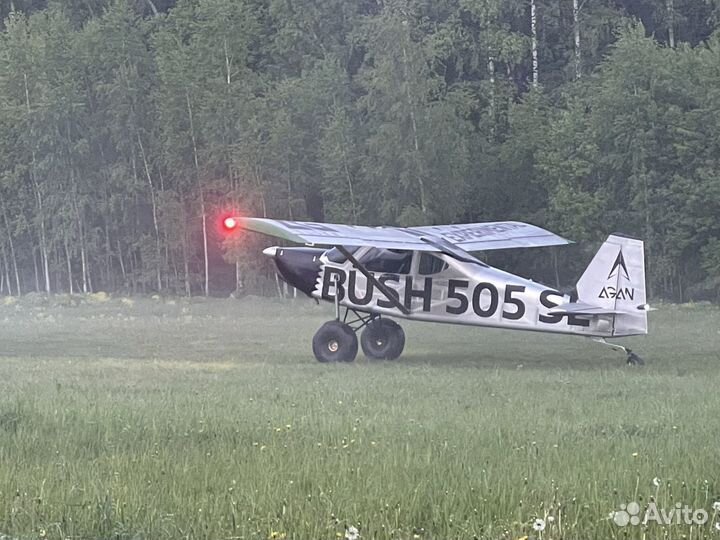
(632, 358)
(336, 341)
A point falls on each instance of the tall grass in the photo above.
(212, 420)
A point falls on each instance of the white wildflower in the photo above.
(351, 533)
(656, 482)
(716, 506)
(538, 525)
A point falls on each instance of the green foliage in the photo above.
(128, 128)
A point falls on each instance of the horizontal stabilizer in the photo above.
(581, 308)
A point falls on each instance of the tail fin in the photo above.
(615, 280)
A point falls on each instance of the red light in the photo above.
(230, 223)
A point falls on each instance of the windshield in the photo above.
(336, 256)
(388, 261)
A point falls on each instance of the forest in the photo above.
(130, 128)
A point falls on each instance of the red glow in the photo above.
(230, 223)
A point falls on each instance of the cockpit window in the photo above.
(387, 261)
(430, 264)
(335, 256)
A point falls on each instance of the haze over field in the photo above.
(211, 419)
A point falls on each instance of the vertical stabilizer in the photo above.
(615, 280)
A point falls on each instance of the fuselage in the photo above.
(434, 287)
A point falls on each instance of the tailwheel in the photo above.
(633, 359)
(382, 339)
(335, 341)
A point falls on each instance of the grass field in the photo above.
(156, 419)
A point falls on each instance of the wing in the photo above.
(494, 235)
(329, 234)
(467, 237)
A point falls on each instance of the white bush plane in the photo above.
(428, 274)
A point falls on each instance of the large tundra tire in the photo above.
(335, 342)
(383, 339)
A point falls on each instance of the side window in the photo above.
(430, 264)
(387, 261)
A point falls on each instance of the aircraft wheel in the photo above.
(335, 342)
(383, 339)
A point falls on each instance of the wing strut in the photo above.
(387, 291)
(451, 249)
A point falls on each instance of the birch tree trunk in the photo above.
(261, 190)
(416, 142)
(493, 105)
(11, 245)
(5, 272)
(201, 194)
(108, 262)
(289, 186)
(186, 265)
(122, 263)
(576, 32)
(153, 201)
(37, 272)
(81, 239)
(38, 200)
(346, 169)
(534, 44)
(68, 263)
(42, 237)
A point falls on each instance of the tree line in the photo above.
(129, 128)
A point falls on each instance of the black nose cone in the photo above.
(298, 266)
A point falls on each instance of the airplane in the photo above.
(376, 274)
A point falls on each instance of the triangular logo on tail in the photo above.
(619, 264)
(617, 292)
